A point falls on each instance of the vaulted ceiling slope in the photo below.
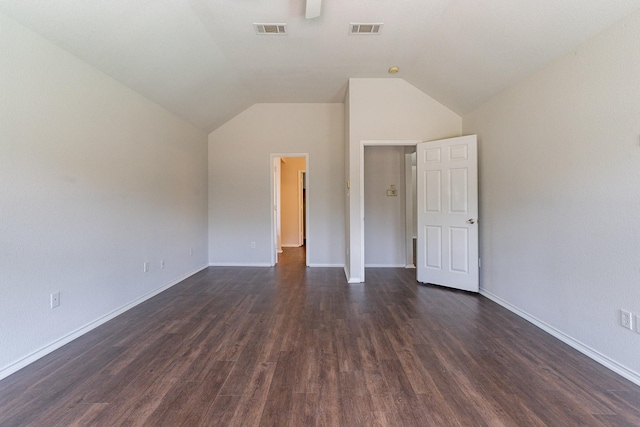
(203, 61)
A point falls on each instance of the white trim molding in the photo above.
(27, 360)
(605, 361)
(359, 216)
(240, 264)
(326, 265)
(385, 265)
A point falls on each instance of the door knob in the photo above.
(471, 221)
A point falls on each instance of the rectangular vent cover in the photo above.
(271, 29)
(365, 28)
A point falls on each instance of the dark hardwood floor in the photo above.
(299, 346)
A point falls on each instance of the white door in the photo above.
(447, 248)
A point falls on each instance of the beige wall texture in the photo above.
(560, 196)
(289, 200)
(239, 196)
(95, 180)
(384, 228)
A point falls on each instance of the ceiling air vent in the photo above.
(365, 28)
(271, 29)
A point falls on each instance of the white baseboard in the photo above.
(351, 279)
(259, 264)
(27, 360)
(326, 265)
(239, 264)
(291, 246)
(605, 361)
(384, 265)
(409, 266)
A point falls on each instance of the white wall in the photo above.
(386, 109)
(384, 227)
(560, 195)
(289, 203)
(94, 180)
(239, 198)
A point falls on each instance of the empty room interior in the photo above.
(320, 212)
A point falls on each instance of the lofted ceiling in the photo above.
(203, 61)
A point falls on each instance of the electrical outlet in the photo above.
(626, 319)
(161, 263)
(145, 266)
(190, 251)
(55, 299)
(253, 245)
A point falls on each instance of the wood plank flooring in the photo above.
(293, 346)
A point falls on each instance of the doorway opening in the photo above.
(447, 200)
(289, 194)
(389, 191)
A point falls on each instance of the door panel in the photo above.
(433, 247)
(447, 250)
(459, 240)
(433, 187)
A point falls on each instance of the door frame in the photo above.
(373, 142)
(410, 182)
(302, 174)
(274, 249)
(276, 179)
